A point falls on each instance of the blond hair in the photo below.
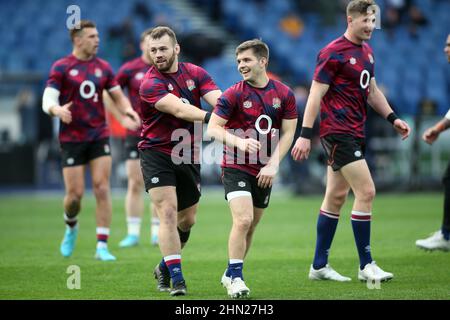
(361, 7)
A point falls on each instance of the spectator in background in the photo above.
(399, 12)
(123, 37)
(26, 108)
(327, 9)
(142, 11)
(292, 25)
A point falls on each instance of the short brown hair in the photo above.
(145, 33)
(161, 31)
(74, 32)
(358, 7)
(260, 49)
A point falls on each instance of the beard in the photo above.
(167, 65)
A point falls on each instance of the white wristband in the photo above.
(50, 99)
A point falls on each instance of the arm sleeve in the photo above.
(50, 99)
(206, 83)
(56, 76)
(290, 110)
(225, 105)
(152, 90)
(111, 83)
(328, 63)
(122, 76)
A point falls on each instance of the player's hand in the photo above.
(402, 128)
(64, 113)
(266, 175)
(301, 149)
(430, 135)
(249, 145)
(131, 120)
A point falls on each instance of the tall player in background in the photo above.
(170, 94)
(440, 240)
(130, 76)
(255, 109)
(344, 83)
(74, 94)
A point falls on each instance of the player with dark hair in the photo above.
(129, 77)
(249, 116)
(74, 93)
(170, 93)
(344, 84)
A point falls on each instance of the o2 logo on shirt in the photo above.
(364, 80)
(87, 90)
(269, 124)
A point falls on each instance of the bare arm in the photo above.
(124, 120)
(302, 146)
(267, 174)
(212, 97)
(431, 134)
(120, 107)
(378, 102)
(173, 105)
(216, 129)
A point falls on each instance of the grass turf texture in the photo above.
(277, 266)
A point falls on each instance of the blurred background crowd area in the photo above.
(411, 69)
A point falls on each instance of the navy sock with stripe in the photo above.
(326, 228)
(361, 231)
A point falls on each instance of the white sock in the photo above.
(233, 261)
(102, 237)
(134, 226)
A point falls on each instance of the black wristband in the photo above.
(392, 117)
(207, 117)
(306, 133)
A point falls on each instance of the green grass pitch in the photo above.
(31, 267)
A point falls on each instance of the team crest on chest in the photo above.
(352, 61)
(74, 72)
(170, 87)
(276, 103)
(371, 59)
(190, 84)
(139, 76)
(98, 73)
(247, 104)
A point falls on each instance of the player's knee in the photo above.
(74, 196)
(167, 213)
(72, 202)
(243, 223)
(186, 223)
(101, 190)
(135, 186)
(367, 194)
(337, 198)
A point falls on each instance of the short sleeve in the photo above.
(111, 82)
(328, 63)
(122, 76)
(225, 104)
(152, 90)
(206, 83)
(290, 109)
(56, 76)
